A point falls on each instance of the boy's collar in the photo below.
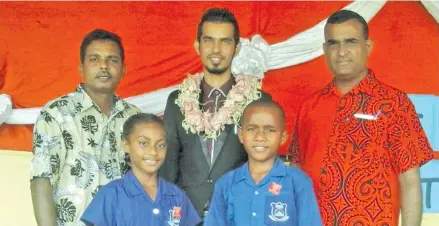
(278, 170)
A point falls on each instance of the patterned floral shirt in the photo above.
(78, 148)
(354, 146)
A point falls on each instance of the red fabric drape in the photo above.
(39, 48)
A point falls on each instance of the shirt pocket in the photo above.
(280, 210)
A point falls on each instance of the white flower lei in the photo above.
(198, 121)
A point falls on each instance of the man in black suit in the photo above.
(201, 117)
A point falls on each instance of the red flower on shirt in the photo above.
(274, 188)
(176, 212)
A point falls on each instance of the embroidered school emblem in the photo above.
(278, 212)
(174, 216)
(275, 188)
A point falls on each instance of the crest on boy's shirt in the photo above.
(278, 212)
(275, 188)
(174, 216)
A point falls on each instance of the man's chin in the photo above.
(215, 70)
(101, 89)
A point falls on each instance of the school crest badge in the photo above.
(174, 216)
(278, 212)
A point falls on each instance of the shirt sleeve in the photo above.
(100, 212)
(190, 215)
(308, 209)
(217, 213)
(409, 145)
(48, 153)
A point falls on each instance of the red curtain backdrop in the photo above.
(39, 48)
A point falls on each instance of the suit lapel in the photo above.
(221, 145)
(220, 142)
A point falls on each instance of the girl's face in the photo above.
(146, 146)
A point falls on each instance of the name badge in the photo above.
(367, 117)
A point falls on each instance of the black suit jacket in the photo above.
(185, 163)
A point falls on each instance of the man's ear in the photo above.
(284, 137)
(325, 48)
(81, 67)
(369, 46)
(197, 46)
(237, 49)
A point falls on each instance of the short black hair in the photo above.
(345, 15)
(219, 15)
(264, 103)
(139, 118)
(100, 34)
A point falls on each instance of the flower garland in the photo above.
(198, 121)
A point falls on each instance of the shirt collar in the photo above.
(134, 188)
(86, 102)
(367, 85)
(278, 170)
(224, 89)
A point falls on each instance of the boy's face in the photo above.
(146, 146)
(262, 132)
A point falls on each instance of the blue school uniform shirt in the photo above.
(124, 202)
(284, 196)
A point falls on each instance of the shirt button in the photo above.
(254, 214)
(155, 211)
(256, 192)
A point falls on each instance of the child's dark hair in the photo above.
(264, 103)
(139, 118)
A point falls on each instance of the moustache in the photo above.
(103, 74)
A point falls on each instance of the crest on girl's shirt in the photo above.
(174, 216)
(278, 212)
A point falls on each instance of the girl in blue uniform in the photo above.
(264, 191)
(141, 197)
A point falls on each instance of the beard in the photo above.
(216, 70)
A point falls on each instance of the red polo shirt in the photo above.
(354, 146)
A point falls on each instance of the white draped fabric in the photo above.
(255, 58)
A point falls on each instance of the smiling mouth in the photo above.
(260, 148)
(150, 162)
(215, 60)
(343, 63)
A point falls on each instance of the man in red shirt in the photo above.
(360, 140)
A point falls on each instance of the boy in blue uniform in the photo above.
(264, 191)
(141, 197)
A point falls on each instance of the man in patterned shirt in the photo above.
(76, 142)
(359, 139)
